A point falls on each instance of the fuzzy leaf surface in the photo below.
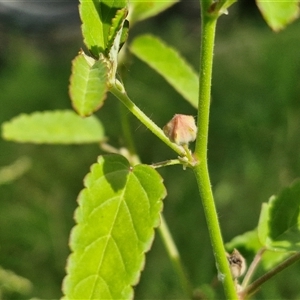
(53, 127)
(96, 17)
(279, 225)
(117, 213)
(88, 84)
(168, 63)
(278, 14)
(142, 9)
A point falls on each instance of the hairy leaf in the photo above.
(88, 84)
(96, 17)
(117, 213)
(53, 127)
(143, 9)
(279, 226)
(168, 63)
(278, 14)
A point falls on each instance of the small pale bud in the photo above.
(181, 129)
(237, 263)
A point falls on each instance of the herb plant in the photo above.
(122, 200)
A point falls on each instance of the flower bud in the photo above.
(181, 129)
(237, 263)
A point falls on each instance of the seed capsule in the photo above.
(181, 129)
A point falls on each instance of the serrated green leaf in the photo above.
(117, 213)
(278, 14)
(53, 127)
(88, 84)
(142, 9)
(168, 63)
(96, 17)
(280, 222)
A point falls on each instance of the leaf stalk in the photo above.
(123, 97)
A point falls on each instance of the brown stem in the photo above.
(257, 283)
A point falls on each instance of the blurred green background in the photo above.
(254, 147)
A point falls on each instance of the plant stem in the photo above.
(201, 170)
(126, 129)
(123, 97)
(257, 283)
(253, 267)
(174, 256)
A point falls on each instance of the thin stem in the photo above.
(123, 97)
(201, 170)
(126, 129)
(257, 283)
(253, 267)
(169, 162)
(174, 256)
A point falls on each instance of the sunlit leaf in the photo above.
(88, 84)
(143, 9)
(117, 213)
(248, 240)
(263, 224)
(279, 226)
(278, 14)
(96, 17)
(249, 245)
(168, 63)
(53, 127)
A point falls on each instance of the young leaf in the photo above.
(117, 213)
(116, 37)
(88, 84)
(53, 127)
(116, 30)
(279, 226)
(278, 14)
(143, 9)
(96, 17)
(168, 63)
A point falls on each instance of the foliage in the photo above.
(117, 213)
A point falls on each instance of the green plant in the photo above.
(122, 200)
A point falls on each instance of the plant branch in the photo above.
(253, 267)
(201, 170)
(257, 283)
(174, 256)
(120, 93)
